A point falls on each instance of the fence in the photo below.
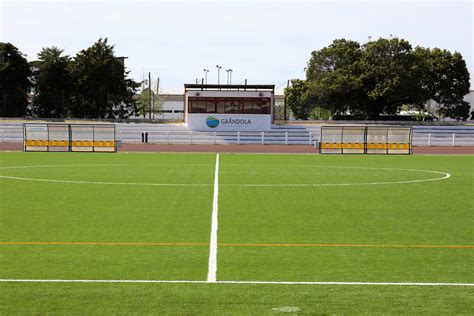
(221, 138)
(281, 135)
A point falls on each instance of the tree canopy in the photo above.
(144, 101)
(15, 81)
(380, 77)
(92, 84)
(101, 89)
(53, 84)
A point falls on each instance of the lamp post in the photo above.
(218, 74)
(205, 74)
(229, 76)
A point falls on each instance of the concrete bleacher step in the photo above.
(288, 127)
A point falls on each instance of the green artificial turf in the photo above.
(160, 206)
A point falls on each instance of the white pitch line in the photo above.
(212, 270)
(108, 183)
(445, 175)
(241, 282)
(105, 165)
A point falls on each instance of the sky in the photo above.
(263, 41)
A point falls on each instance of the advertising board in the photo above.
(229, 122)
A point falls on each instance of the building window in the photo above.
(232, 106)
(229, 105)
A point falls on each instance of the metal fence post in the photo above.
(168, 137)
(454, 139)
(286, 138)
(191, 137)
(429, 139)
(309, 142)
(214, 138)
(263, 138)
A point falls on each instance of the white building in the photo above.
(228, 107)
(172, 107)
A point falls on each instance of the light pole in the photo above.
(218, 74)
(229, 76)
(205, 74)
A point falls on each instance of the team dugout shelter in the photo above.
(63, 137)
(366, 140)
(210, 107)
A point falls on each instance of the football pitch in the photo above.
(154, 233)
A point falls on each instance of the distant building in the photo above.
(172, 107)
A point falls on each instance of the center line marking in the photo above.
(212, 270)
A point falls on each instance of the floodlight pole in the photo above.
(218, 74)
(229, 76)
(284, 101)
(149, 94)
(157, 91)
(205, 74)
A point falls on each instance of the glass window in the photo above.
(220, 105)
(192, 105)
(201, 105)
(210, 105)
(230, 105)
(254, 106)
(264, 105)
(247, 106)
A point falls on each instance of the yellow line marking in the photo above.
(190, 244)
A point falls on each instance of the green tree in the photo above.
(342, 54)
(445, 80)
(390, 78)
(296, 99)
(380, 77)
(15, 81)
(52, 83)
(144, 101)
(333, 76)
(101, 89)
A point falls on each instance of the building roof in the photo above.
(257, 87)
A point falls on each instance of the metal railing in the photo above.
(221, 138)
(435, 136)
(277, 138)
(443, 139)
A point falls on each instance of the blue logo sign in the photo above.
(212, 122)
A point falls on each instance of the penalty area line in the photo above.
(241, 282)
